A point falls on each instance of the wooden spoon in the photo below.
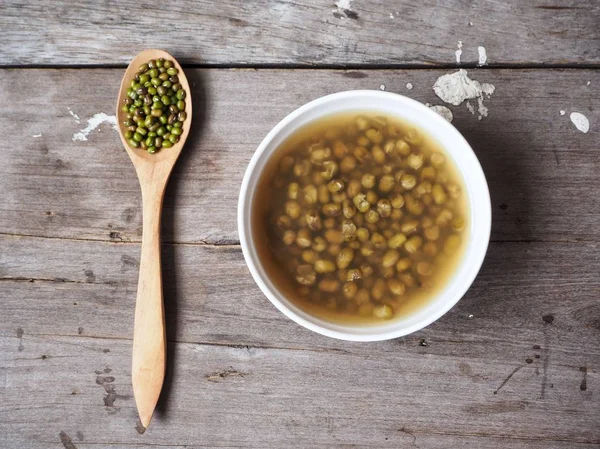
(153, 170)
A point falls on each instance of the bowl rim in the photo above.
(324, 327)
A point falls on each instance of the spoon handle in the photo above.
(149, 338)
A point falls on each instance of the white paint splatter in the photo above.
(443, 111)
(562, 112)
(580, 121)
(35, 136)
(409, 86)
(343, 4)
(382, 87)
(483, 111)
(458, 52)
(482, 56)
(75, 116)
(454, 88)
(588, 83)
(284, 12)
(470, 108)
(93, 123)
(470, 315)
(391, 15)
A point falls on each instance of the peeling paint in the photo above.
(344, 4)
(482, 56)
(93, 123)
(75, 116)
(457, 87)
(443, 111)
(580, 121)
(458, 52)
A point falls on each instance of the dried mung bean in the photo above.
(148, 89)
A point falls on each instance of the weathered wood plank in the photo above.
(306, 32)
(426, 441)
(537, 163)
(88, 288)
(532, 309)
(252, 397)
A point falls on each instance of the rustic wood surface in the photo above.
(303, 32)
(514, 365)
(535, 160)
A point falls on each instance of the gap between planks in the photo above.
(224, 244)
(414, 434)
(308, 66)
(185, 342)
(236, 244)
(241, 346)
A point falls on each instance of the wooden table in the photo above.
(514, 365)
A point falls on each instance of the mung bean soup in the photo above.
(360, 218)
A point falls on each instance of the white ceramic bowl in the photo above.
(455, 145)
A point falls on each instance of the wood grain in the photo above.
(538, 165)
(257, 398)
(304, 32)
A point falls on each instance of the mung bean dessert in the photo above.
(360, 218)
(154, 107)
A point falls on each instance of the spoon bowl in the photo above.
(139, 155)
(153, 171)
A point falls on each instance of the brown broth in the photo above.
(437, 201)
